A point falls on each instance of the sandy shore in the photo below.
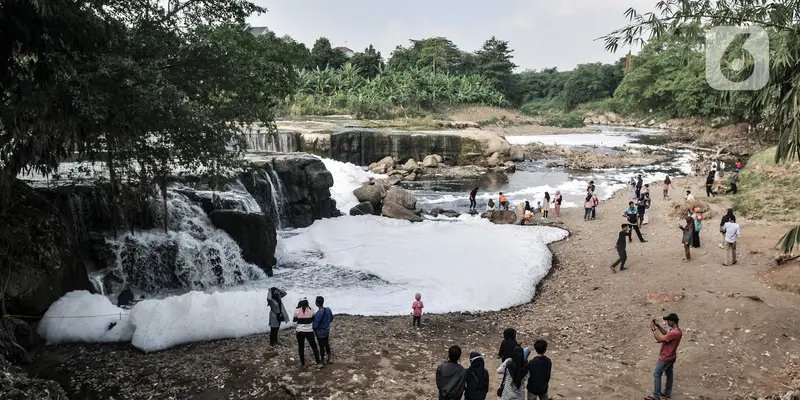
(596, 323)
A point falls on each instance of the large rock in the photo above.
(410, 165)
(396, 211)
(494, 160)
(372, 193)
(402, 197)
(502, 217)
(38, 253)
(362, 146)
(255, 234)
(364, 208)
(430, 161)
(517, 153)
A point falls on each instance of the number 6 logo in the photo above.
(737, 58)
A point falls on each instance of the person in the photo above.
(689, 196)
(558, 203)
(546, 205)
(508, 344)
(632, 216)
(472, 204)
(734, 180)
(304, 317)
(451, 377)
(624, 233)
(732, 232)
(647, 204)
(641, 209)
(721, 169)
(528, 206)
(417, 307)
(669, 339)
(588, 203)
(490, 206)
(688, 235)
(477, 378)
(638, 185)
(667, 185)
(277, 313)
(725, 218)
(591, 186)
(539, 208)
(710, 184)
(697, 216)
(632, 189)
(515, 372)
(322, 328)
(595, 203)
(739, 165)
(503, 202)
(646, 189)
(528, 215)
(714, 166)
(540, 368)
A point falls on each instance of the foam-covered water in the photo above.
(346, 178)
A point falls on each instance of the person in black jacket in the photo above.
(508, 344)
(710, 183)
(472, 204)
(477, 378)
(540, 368)
(451, 376)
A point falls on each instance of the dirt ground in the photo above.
(508, 122)
(740, 328)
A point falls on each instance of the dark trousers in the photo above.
(709, 191)
(324, 346)
(301, 348)
(638, 191)
(635, 228)
(623, 256)
(273, 336)
(696, 239)
(472, 203)
(641, 210)
(594, 212)
(733, 189)
(416, 321)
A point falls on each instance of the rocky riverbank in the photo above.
(739, 334)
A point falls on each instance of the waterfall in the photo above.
(259, 138)
(193, 254)
(276, 192)
(282, 142)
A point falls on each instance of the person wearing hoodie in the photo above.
(277, 313)
(417, 307)
(451, 377)
(322, 328)
(477, 378)
(508, 344)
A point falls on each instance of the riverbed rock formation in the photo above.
(254, 233)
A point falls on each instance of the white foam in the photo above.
(573, 139)
(346, 178)
(80, 316)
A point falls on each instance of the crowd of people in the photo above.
(524, 207)
(312, 327)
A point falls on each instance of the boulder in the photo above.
(378, 168)
(388, 161)
(509, 166)
(501, 217)
(255, 234)
(410, 177)
(410, 165)
(602, 120)
(494, 160)
(451, 213)
(430, 161)
(612, 117)
(402, 197)
(373, 193)
(517, 153)
(435, 211)
(364, 208)
(396, 211)
(41, 257)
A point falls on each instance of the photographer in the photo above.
(669, 339)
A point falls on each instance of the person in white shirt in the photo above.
(731, 229)
(689, 196)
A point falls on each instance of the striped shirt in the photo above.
(304, 319)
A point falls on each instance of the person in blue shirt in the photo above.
(633, 216)
(322, 328)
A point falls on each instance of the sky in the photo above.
(543, 33)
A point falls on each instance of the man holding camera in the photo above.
(669, 339)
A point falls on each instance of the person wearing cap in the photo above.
(477, 378)
(322, 328)
(669, 339)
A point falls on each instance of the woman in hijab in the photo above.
(515, 374)
(304, 317)
(725, 218)
(477, 378)
(546, 205)
(557, 202)
(277, 313)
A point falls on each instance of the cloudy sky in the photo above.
(543, 33)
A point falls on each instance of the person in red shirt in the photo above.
(666, 358)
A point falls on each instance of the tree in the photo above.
(493, 61)
(324, 56)
(779, 100)
(369, 62)
(437, 53)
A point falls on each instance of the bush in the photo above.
(564, 120)
(610, 104)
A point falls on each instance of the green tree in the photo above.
(590, 82)
(779, 101)
(493, 61)
(438, 53)
(324, 56)
(369, 62)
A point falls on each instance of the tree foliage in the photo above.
(493, 61)
(369, 62)
(324, 56)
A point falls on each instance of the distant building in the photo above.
(257, 30)
(346, 50)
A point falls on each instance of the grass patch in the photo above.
(564, 120)
(606, 105)
(495, 120)
(768, 190)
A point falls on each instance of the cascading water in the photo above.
(193, 254)
(276, 192)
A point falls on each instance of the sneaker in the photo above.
(623, 269)
(614, 270)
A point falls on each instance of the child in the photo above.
(417, 307)
(539, 208)
(477, 378)
(322, 328)
(539, 368)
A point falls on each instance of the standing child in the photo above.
(539, 208)
(417, 313)
(322, 328)
(558, 203)
(540, 368)
(477, 378)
